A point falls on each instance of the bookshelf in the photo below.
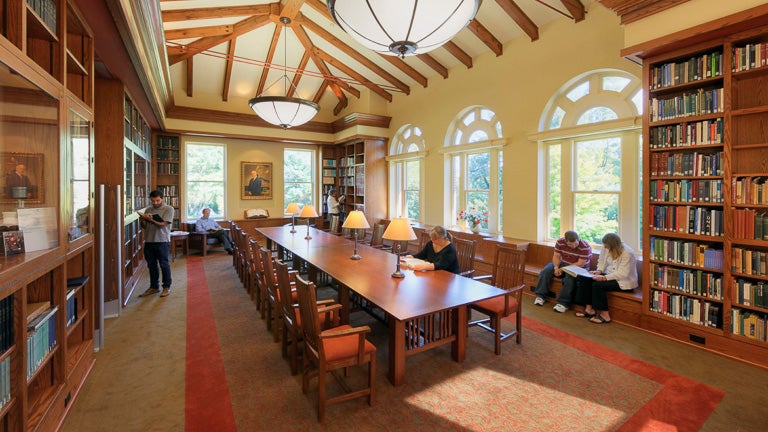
(167, 172)
(329, 175)
(705, 281)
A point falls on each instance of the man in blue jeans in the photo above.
(156, 221)
(569, 250)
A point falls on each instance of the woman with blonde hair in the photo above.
(439, 253)
(616, 271)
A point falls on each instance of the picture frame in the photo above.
(256, 180)
(12, 242)
(21, 178)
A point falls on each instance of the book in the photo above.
(411, 262)
(256, 213)
(35, 309)
(155, 217)
(577, 271)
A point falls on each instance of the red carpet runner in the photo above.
(207, 403)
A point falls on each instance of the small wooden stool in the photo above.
(180, 238)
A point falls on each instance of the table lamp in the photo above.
(399, 229)
(308, 212)
(293, 210)
(355, 221)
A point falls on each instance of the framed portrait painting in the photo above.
(21, 177)
(256, 180)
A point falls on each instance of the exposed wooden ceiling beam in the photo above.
(216, 12)
(329, 59)
(301, 34)
(343, 102)
(404, 68)
(575, 8)
(190, 79)
(522, 20)
(198, 32)
(228, 70)
(205, 43)
(298, 74)
(459, 53)
(268, 61)
(320, 92)
(434, 64)
(290, 8)
(486, 37)
(320, 7)
(633, 10)
(346, 49)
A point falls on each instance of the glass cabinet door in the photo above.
(79, 175)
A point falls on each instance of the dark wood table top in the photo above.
(418, 293)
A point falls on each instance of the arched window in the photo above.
(590, 135)
(406, 173)
(474, 164)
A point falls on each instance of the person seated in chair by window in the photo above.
(439, 253)
(569, 250)
(616, 271)
(207, 225)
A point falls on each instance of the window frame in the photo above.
(314, 177)
(184, 205)
(401, 152)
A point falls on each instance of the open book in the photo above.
(577, 271)
(213, 230)
(155, 217)
(409, 263)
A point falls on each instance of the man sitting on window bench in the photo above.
(207, 225)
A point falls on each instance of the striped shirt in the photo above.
(571, 255)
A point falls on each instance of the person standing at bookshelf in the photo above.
(156, 221)
(569, 250)
(616, 271)
(207, 225)
(334, 202)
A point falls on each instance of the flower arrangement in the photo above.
(473, 216)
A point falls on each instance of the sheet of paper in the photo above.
(40, 227)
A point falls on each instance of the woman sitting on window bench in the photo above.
(439, 253)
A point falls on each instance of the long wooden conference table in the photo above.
(424, 309)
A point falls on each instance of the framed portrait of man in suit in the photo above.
(256, 178)
(21, 177)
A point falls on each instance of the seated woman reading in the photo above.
(439, 253)
(616, 271)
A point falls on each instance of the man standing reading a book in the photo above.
(569, 250)
(207, 225)
(156, 221)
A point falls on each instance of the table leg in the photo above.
(459, 346)
(396, 351)
(173, 249)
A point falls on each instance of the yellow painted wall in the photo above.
(517, 86)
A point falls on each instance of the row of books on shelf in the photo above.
(172, 201)
(689, 281)
(140, 191)
(346, 161)
(5, 381)
(682, 307)
(696, 103)
(167, 154)
(168, 190)
(686, 253)
(750, 293)
(749, 261)
(6, 323)
(167, 168)
(750, 56)
(41, 338)
(327, 172)
(167, 142)
(330, 163)
(687, 191)
(750, 224)
(749, 324)
(750, 190)
(329, 180)
(687, 134)
(140, 167)
(686, 164)
(696, 68)
(71, 307)
(687, 219)
(46, 10)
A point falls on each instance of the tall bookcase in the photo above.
(705, 281)
(47, 314)
(362, 176)
(167, 172)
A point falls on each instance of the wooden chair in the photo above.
(465, 252)
(377, 236)
(508, 275)
(270, 297)
(424, 238)
(334, 224)
(201, 241)
(336, 348)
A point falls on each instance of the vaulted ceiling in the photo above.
(223, 53)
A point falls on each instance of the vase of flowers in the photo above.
(473, 217)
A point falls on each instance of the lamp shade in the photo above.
(399, 229)
(403, 27)
(308, 211)
(356, 220)
(284, 111)
(292, 209)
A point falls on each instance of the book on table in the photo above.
(411, 262)
(577, 271)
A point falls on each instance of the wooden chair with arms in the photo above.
(336, 348)
(465, 252)
(508, 275)
(270, 296)
(377, 236)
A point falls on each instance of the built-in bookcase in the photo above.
(167, 172)
(705, 279)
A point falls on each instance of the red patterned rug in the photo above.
(553, 381)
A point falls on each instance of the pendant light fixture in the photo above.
(283, 111)
(403, 27)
